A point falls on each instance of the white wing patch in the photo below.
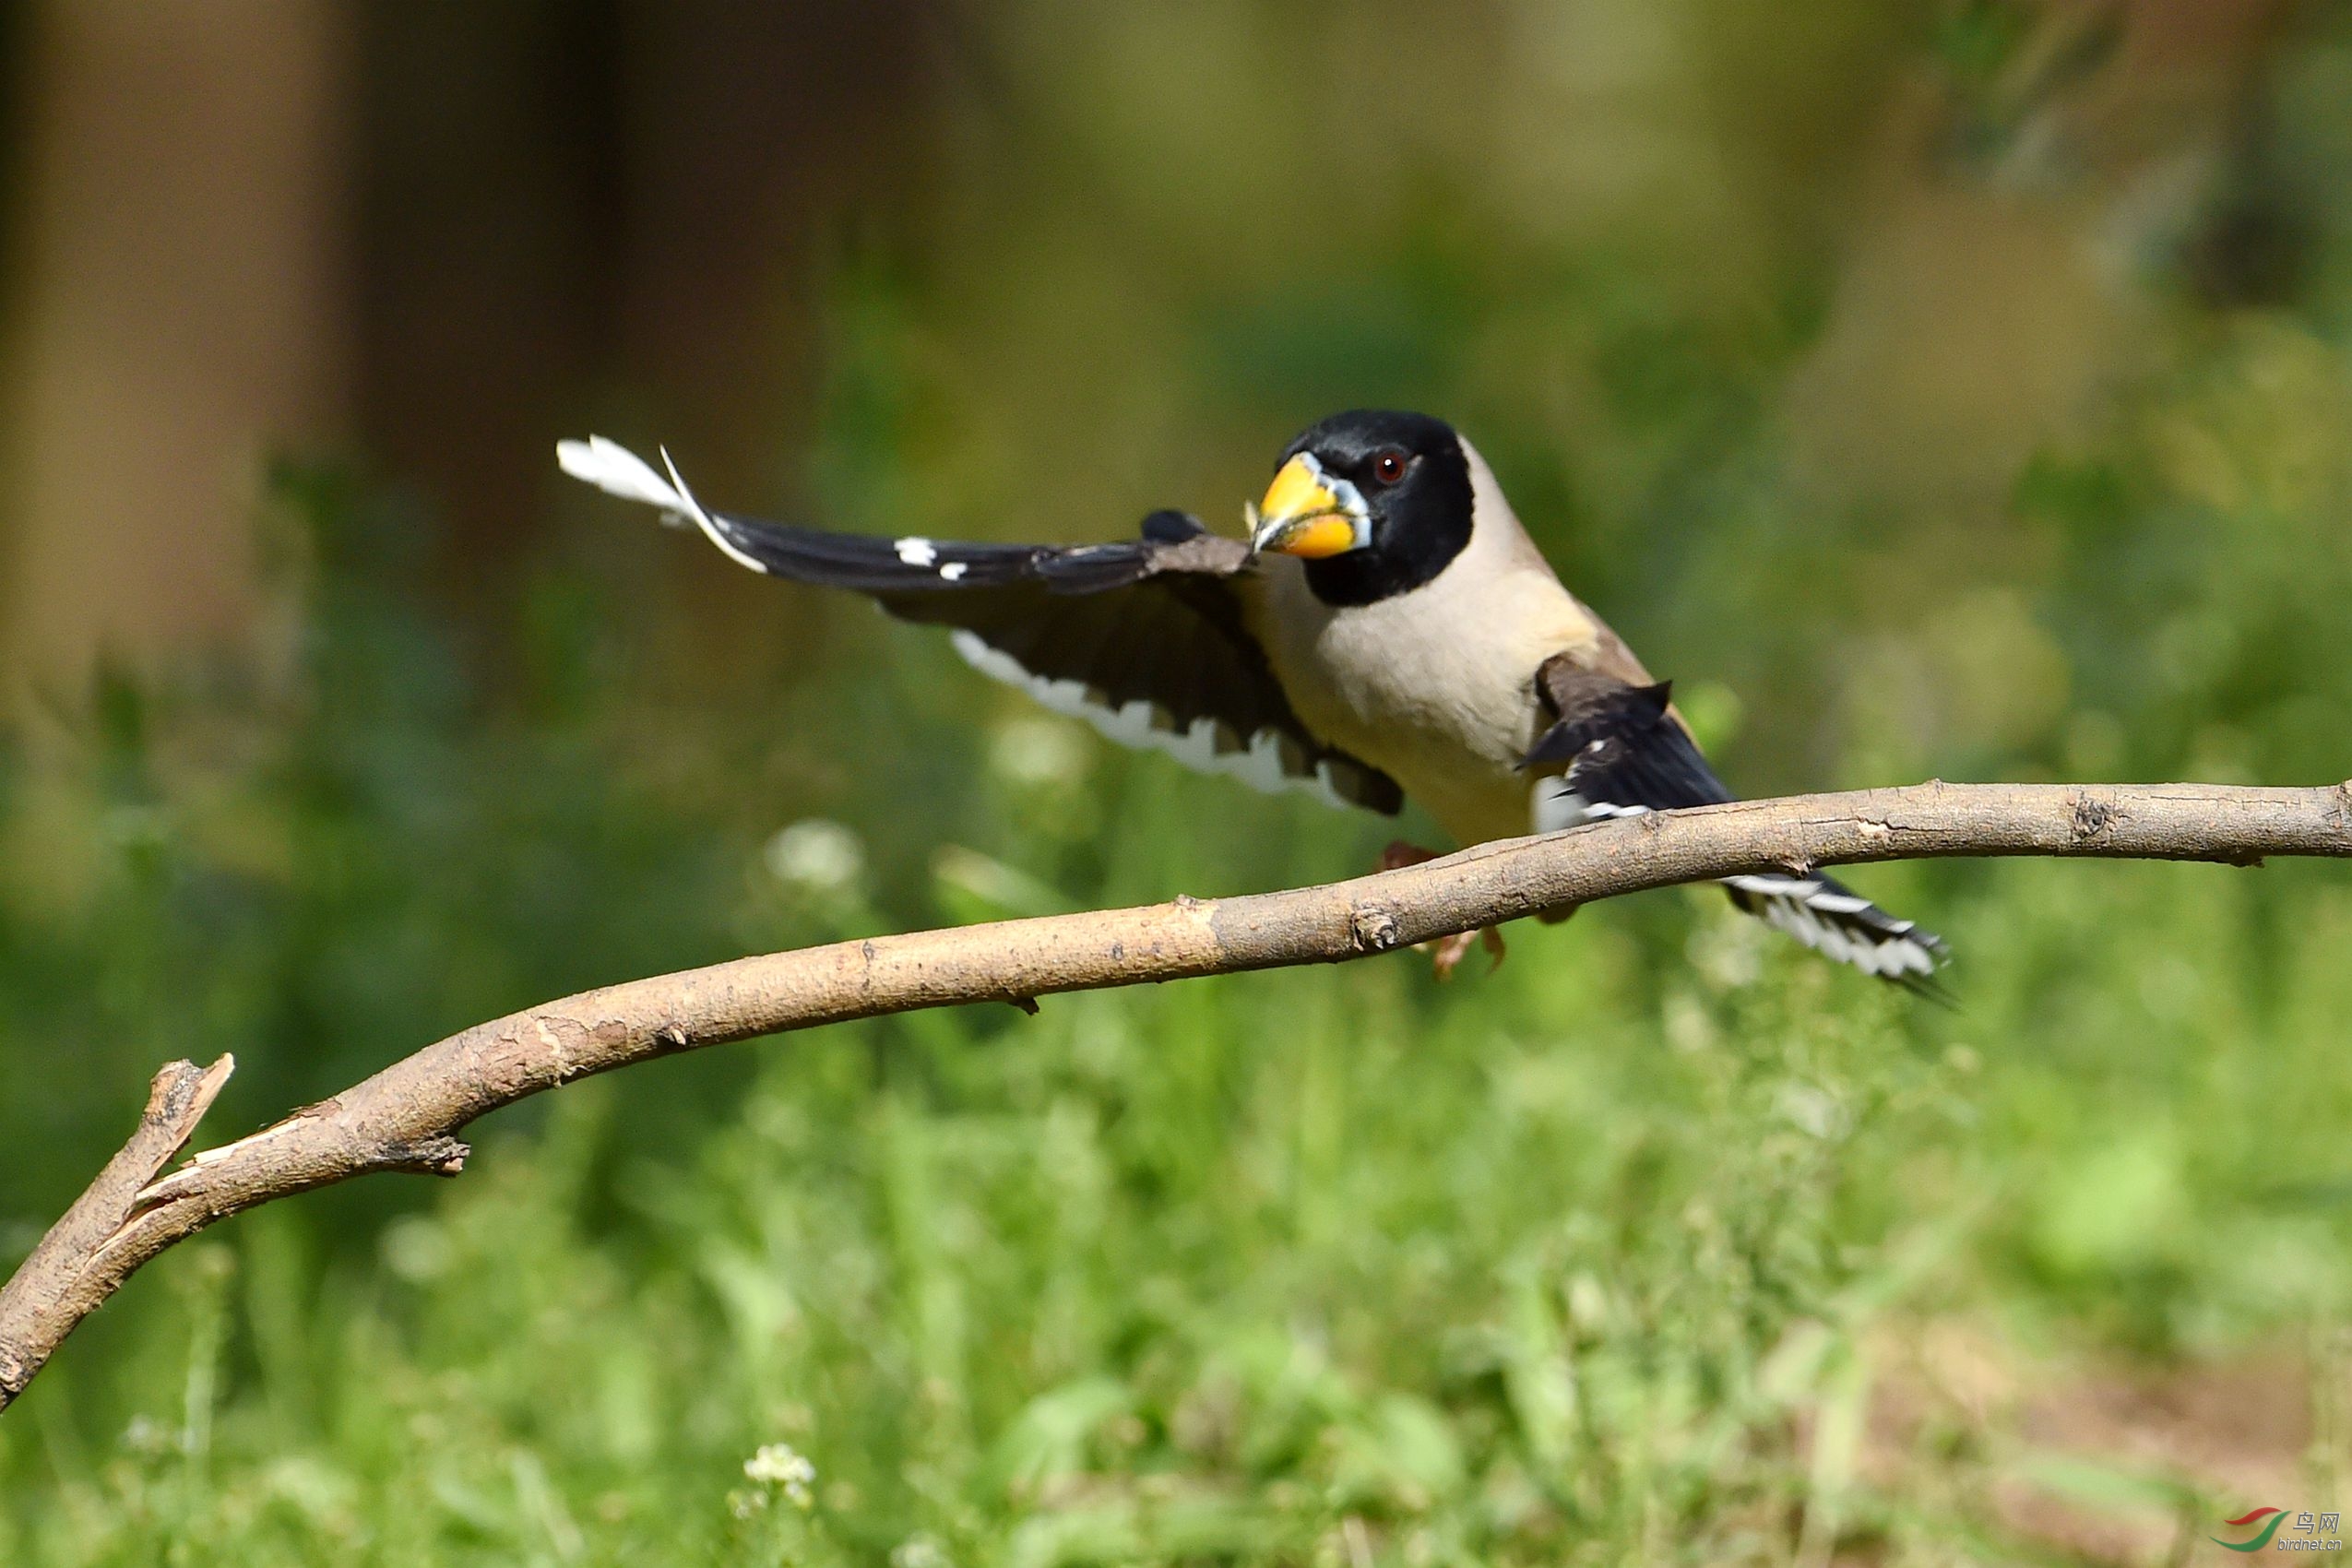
(1553, 804)
(1270, 761)
(616, 470)
(916, 552)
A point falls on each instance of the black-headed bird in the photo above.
(1387, 630)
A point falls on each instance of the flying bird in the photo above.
(1387, 630)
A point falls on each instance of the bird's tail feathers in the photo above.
(1832, 919)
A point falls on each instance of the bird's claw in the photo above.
(1399, 854)
(1448, 952)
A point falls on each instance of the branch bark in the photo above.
(407, 1117)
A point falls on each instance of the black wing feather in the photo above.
(1153, 621)
(1145, 639)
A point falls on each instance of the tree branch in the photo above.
(407, 1117)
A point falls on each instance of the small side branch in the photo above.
(66, 1279)
(408, 1116)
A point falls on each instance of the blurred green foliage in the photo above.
(1594, 1259)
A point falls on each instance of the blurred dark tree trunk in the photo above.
(440, 231)
(177, 270)
(563, 196)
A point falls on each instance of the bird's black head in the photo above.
(1376, 502)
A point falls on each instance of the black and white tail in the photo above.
(1621, 750)
(1832, 919)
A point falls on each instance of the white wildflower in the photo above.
(1036, 749)
(816, 856)
(417, 1249)
(1813, 1110)
(919, 1551)
(785, 1468)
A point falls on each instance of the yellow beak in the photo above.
(1303, 514)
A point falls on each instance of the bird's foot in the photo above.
(1446, 952)
(1399, 854)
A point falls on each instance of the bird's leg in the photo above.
(1399, 854)
(1446, 952)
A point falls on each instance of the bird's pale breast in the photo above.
(1434, 687)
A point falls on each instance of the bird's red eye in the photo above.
(1388, 468)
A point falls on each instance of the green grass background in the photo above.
(1607, 1256)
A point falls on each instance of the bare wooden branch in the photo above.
(407, 1117)
(56, 1287)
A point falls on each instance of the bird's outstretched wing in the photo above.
(1626, 751)
(1143, 639)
